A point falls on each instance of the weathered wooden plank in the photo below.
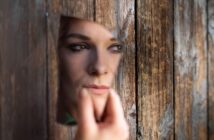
(76, 8)
(23, 70)
(118, 17)
(211, 68)
(155, 69)
(190, 70)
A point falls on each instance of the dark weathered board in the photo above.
(23, 70)
(211, 68)
(190, 70)
(155, 69)
(118, 16)
(165, 79)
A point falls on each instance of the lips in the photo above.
(97, 89)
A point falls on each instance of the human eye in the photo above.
(116, 48)
(77, 47)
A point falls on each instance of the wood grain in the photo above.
(23, 70)
(211, 68)
(56, 8)
(190, 70)
(166, 86)
(118, 17)
(155, 69)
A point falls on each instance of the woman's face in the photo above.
(89, 58)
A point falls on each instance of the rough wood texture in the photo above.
(155, 69)
(77, 8)
(170, 105)
(190, 70)
(118, 17)
(211, 68)
(23, 70)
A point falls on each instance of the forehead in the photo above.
(88, 28)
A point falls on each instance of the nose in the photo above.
(98, 64)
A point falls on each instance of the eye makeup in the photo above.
(116, 48)
(78, 47)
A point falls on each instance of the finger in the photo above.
(86, 119)
(114, 109)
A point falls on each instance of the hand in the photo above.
(113, 125)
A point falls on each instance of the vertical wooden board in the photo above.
(155, 69)
(1, 67)
(211, 68)
(190, 70)
(23, 70)
(118, 17)
(56, 8)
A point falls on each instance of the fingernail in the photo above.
(112, 91)
(83, 93)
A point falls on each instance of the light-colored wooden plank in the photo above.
(56, 8)
(211, 68)
(190, 70)
(155, 69)
(118, 17)
(23, 70)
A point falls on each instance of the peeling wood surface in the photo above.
(23, 70)
(155, 69)
(190, 70)
(211, 68)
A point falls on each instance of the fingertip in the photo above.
(84, 100)
(114, 95)
(85, 109)
(83, 93)
(112, 91)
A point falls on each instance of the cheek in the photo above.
(75, 67)
(74, 72)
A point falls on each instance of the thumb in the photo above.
(86, 119)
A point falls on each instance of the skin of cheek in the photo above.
(73, 67)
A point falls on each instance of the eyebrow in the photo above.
(75, 35)
(83, 37)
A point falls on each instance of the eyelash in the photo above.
(119, 48)
(79, 47)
